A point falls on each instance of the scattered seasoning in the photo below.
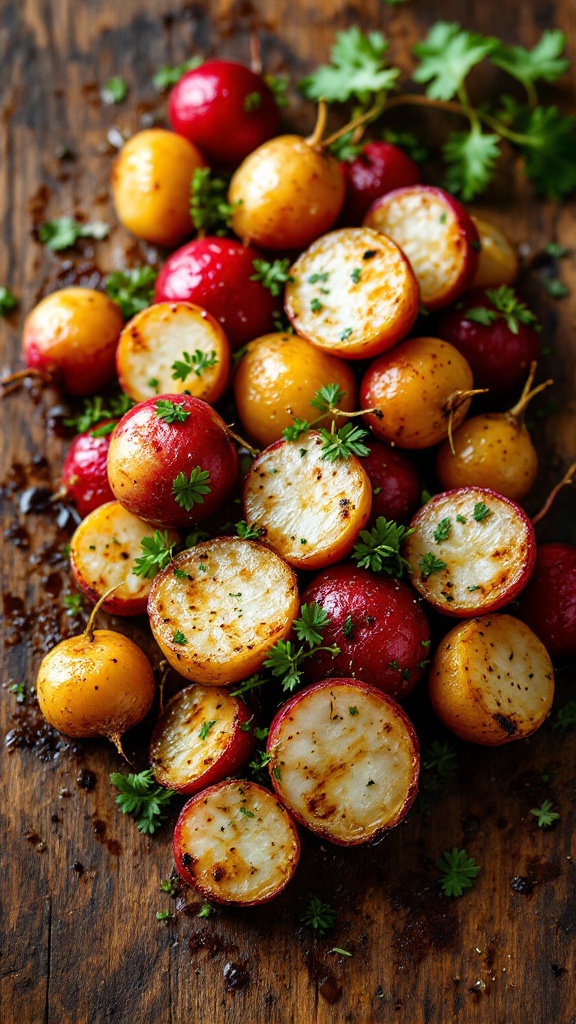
(247, 813)
(316, 278)
(316, 305)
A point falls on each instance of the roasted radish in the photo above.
(307, 503)
(202, 735)
(497, 260)
(471, 551)
(219, 607)
(352, 293)
(436, 234)
(378, 168)
(173, 347)
(84, 476)
(344, 760)
(492, 680)
(396, 485)
(235, 843)
(548, 604)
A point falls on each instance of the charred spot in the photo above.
(218, 873)
(187, 860)
(506, 724)
(369, 254)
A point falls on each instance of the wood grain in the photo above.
(80, 887)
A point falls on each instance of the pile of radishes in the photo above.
(330, 403)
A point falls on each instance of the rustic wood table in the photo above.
(81, 943)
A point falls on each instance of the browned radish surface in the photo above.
(235, 843)
(344, 760)
(471, 551)
(103, 553)
(353, 293)
(492, 680)
(168, 333)
(308, 509)
(198, 739)
(436, 234)
(219, 607)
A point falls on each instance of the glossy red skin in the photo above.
(207, 107)
(398, 481)
(78, 374)
(215, 274)
(151, 453)
(286, 710)
(388, 625)
(499, 358)
(548, 604)
(241, 746)
(84, 474)
(380, 168)
(469, 237)
(185, 875)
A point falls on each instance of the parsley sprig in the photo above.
(142, 798)
(508, 307)
(340, 444)
(132, 289)
(64, 232)
(190, 491)
(8, 301)
(457, 871)
(272, 275)
(157, 554)
(97, 409)
(210, 210)
(195, 363)
(169, 75)
(378, 549)
(357, 70)
(171, 412)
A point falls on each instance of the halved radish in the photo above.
(308, 509)
(170, 348)
(497, 261)
(471, 550)
(436, 234)
(219, 607)
(235, 843)
(492, 680)
(199, 739)
(103, 553)
(352, 293)
(345, 760)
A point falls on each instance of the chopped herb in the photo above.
(104, 430)
(169, 885)
(508, 307)
(327, 398)
(346, 333)
(343, 443)
(348, 627)
(272, 275)
(157, 553)
(163, 915)
(353, 711)
(180, 574)
(189, 491)
(378, 549)
(319, 278)
(439, 764)
(206, 910)
(460, 519)
(316, 306)
(278, 84)
(429, 564)
(252, 102)
(472, 589)
(171, 412)
(64, 232)
(179, 637)
(114, 91)
(73, 604)
(247, 532)
(356, 274)
(303, 540)
(481, 511)
(205, 729)
(168, 76)
(246, 812)
(209, 207)
(555, 288)
(442, 531)
(140, 797)
(313, 619)
(457, 871)
(8, 301)
(336, 949)
(556, 251)
(298, 427)
(20, 692)
(276, 772)
(370, 783)
(319, 916)
(197, 363)
(546, 816)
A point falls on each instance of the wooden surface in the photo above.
(80, 886)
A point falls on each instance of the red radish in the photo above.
(84, 476)
(498, 260)
(225, 109)
(173, 347)
(70, 338)
(216, 273)
(471, 551)
(496, 333)
(396, 484)
(380, 167)
(201, 736)
(378, 625)
(219, 607)
(103, 555)
(491, 680)
(352, 293)
(548, 603)
(172, 461)
(344, 760)
(307, 507)
(235, 843)
(437, 235)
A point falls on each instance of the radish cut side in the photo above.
(235, 843)
(472, 550)
(198, 739)
(344, 760)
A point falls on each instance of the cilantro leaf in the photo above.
(471, 157)
(189, 491)
(343, 443)
(378, 549)
(171, 412)
(195, 363)
(313, 619)
(272, 275)
(446, 56)
(544, 62)
(168, 76)
(140, 797)
(8, 301)
(548, 145)
(133, 289)
(157, 553)
(457, 871)
(357, 70)
(209, 207)
(64, 232)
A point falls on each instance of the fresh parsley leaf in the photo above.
(163, 915)
(140, 797)
(189, 491)
(544, 62)
(481, 511)
(327, 398)
(246, 812)
(8, 301)
(195, 363)
(548, 146)
(278, 85)
(508, 307)
(171, 412)
(133, 289)
(104, 430)
(457, 871)
(345, 149)
(179, 638)
(168, 76)
(298, 427)
(64, 232)
(157, 553)
(114, 91)
(446, 56)
(343, 443)
(284, 662)
(313, 619)
(553, 249)
(272, 276)
(316, 306)
(73, 604)
(556, 288)
(206, 910)
(408, 141)
(20, 692)
(429, 564)
(169, 885)
(357, 70)
(258, 766)
(319, 916)
(252, 101)
(482, 315)
(546, 816)
(442, 531)
(209, 207)
(205, 728)
(378, 549)
(471, 158)
(247, 532)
